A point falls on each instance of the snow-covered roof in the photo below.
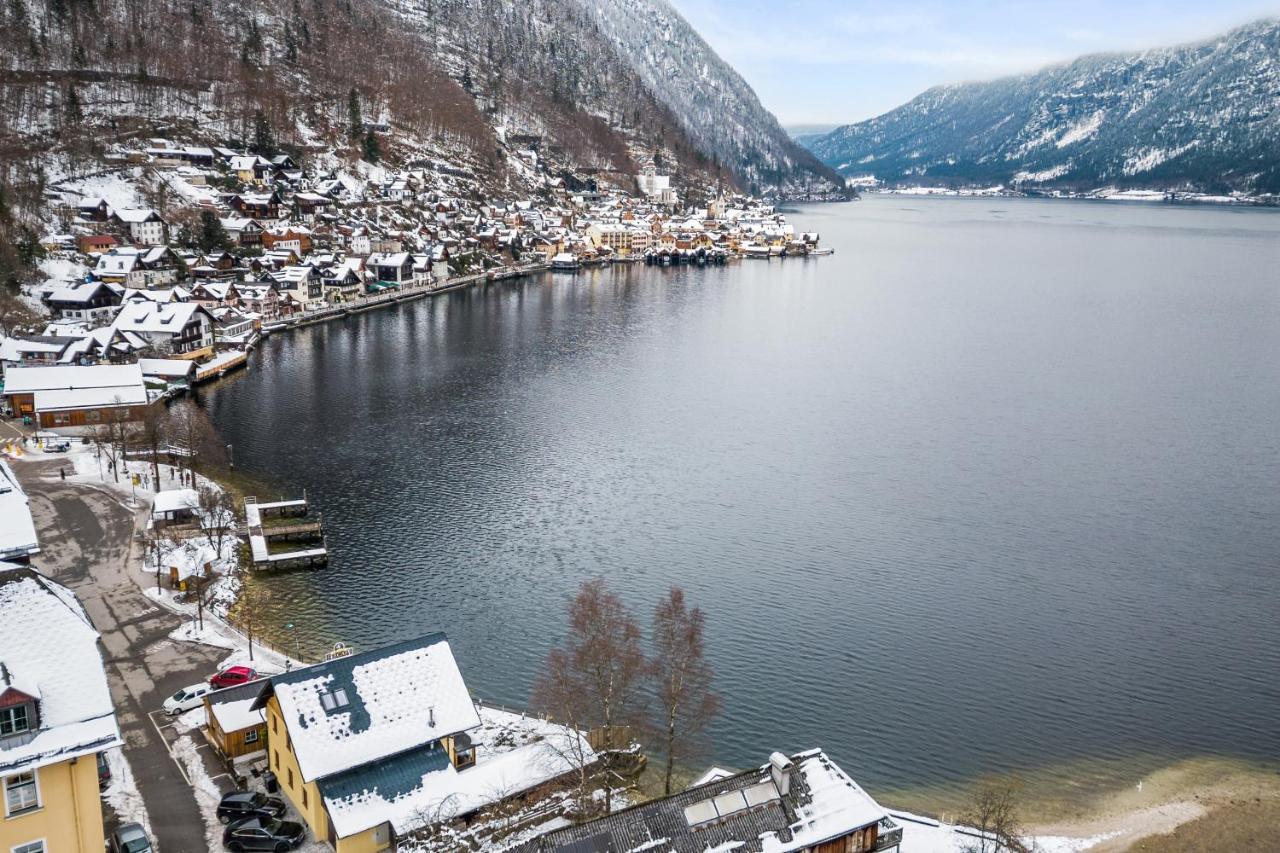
(154, 317)
(356, 710)
(236, 715)
(136, 215)
(166, 368)
(17, 530)
(49, 646)
(172, 500)
(27, 380)
(515, 754)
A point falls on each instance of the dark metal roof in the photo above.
(390, 777)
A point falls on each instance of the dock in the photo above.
(284, 535)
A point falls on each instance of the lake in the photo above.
(993, 487)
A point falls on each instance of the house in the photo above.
(142, 226)
(87, 301)
(174, 507)
(395, 269)
(93, 209)
(251, 168)
(69, 395)
(260, 299)
(344, 281)
(95, 244)
(168, 372)
(257, 205)
(302, 283)
(298, 240)
(176, 328)
(187, 562)
(33, 351)
(18, 542)
(234, 727)
(56, 717)
(373, 746)
(245, 231)
(802, 803)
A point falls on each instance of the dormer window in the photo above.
(15, 719)
(334, 700)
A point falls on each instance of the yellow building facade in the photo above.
(52, 809)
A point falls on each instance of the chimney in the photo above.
(780, 770)
(431, 716)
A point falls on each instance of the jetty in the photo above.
(284, 535)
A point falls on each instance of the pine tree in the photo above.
(264, 142)
(212, 235)
(353, 113)
(74, 114)
(372, 149)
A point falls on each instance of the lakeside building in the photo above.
(372, 747)
(18, 542)
(74, 395)
(56, 717)
(793, 804)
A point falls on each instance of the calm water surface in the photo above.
(993, 486)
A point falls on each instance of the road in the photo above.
(87, 542)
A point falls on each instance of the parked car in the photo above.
(239, 805)
(130, 838)
(104, 771)
(231, 676)
(187, 699)
(263, 833)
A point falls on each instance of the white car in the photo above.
(187, 699)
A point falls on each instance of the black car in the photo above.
(263, 833)
(239, 805)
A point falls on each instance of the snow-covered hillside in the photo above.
(1204, 116)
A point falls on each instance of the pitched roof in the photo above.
(746, 812)
(49, 646)
(27, 380)
(155, 317)
(356, 710)
(17, 530)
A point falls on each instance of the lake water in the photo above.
(994, 486)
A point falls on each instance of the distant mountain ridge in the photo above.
(1202, 116)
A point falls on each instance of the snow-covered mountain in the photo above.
(600, 88)
(713, 104)
(1203, 116)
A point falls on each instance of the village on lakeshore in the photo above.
(141, 707)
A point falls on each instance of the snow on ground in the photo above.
(190, 721)
(59, 270)
(925, 835)
(206, 791)
(119, 190)
(122, 794)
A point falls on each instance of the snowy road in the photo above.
(86, 536)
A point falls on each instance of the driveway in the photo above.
(87, 542)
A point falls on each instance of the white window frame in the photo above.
(22, 848)
(12, 711)
(4, 783)
(251, 736)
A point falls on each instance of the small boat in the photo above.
(822, 251)
(565, 262)
(752, 250)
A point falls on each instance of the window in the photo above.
(30, 847)
(93, 416)
(291, 778)
(275, 753)
(335, 699)
(14, 720)
(274, 727)
(21, 793)
(251, 736)
(304, 798)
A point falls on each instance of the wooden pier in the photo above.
(284, 535)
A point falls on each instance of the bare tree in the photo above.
(994, 814)
(682, 679)
(216, 515)
(597, 677)
(151, 435)
(191, 430)
(158, 542)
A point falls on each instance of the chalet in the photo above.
(33, 351)
(88, 301)
(260, 299)
(234, 727)
(211, 294)
(311, 204)
(144, 227)
(233, 326)
(56, 717)
(391, 269)
(95, 244)
(802, 803)
(344, 282)
(417, 726)
(297, 240)
(257, 205)
(251, 168)
(69, 395)
(302, 283)
(245, 231)
(182, 329)
(93, 209)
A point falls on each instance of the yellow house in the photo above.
(55, 717)
(371, 747)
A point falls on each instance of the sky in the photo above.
(839, 61)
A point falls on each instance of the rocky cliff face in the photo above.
(1203, 116)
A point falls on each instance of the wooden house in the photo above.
(232, 725)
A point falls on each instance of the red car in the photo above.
(231, 676)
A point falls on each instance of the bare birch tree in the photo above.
(994, 814)
(596, 679)
(682, 681)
